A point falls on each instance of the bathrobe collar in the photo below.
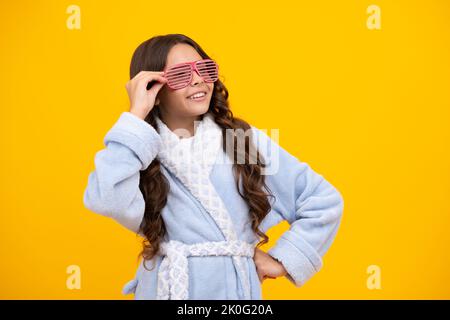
(182, 155)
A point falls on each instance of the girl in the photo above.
(171, 173)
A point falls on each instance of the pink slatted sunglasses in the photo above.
(180, 75)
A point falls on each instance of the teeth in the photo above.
(197, 95)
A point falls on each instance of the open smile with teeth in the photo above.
(197, 96)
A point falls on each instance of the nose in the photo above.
(196, 79)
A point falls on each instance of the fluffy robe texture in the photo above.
(311, 205)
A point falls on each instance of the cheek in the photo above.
(176, 96)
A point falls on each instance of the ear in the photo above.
(156, 102)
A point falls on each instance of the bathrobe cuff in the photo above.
(138, 135)
(299, 259)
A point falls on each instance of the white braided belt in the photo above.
(173, 275)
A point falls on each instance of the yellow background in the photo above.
(368, 109)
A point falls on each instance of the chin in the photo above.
(196, 109)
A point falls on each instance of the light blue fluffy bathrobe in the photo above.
(311, 205)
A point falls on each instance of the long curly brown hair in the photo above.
(151, 55)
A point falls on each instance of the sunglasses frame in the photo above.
(193, 66)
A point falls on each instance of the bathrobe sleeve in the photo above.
(113, 187)
(311, 205)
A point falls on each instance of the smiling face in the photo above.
(177, 103)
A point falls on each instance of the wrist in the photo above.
(138, 114)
